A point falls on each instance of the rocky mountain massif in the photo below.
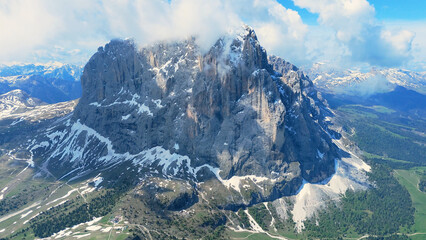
(52, 83)
(195, 133)
(232, 112)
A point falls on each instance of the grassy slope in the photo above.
(410, 179)
(386, 136)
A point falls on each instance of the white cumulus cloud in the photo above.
(71, 30)
(31, 28)
(356, 30)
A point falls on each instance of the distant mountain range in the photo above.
(51, 83)
(357, 83)
(398, 89)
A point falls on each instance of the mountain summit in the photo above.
(233, 118)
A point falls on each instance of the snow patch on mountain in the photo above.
(65, 145)
(235, 181)
(134, 102)
(171, 164)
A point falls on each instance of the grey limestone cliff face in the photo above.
(232, 108)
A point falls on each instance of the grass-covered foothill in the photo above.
(71, 213)
(56, 220)
(410, 180)
(387, 137)
(394, 144)
(23, 196)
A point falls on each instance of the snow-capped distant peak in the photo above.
(51, 64)
(18, 99)
(49, 70)
(354, 81)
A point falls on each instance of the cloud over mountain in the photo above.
(70, 30)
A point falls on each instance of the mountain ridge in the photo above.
(18, 106)
(52, 83)
(355, 82)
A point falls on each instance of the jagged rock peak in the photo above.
(170, 110)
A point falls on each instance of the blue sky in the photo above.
(308, 18)
(343, 33)
(400, 9)
(386, 10)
